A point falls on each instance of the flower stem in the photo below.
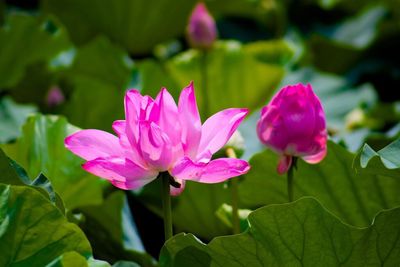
(290, 178)
(166, 203)
(204, 83)
(235, 196)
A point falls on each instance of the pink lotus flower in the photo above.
(201, 30)
(293, 125)
(158, 136)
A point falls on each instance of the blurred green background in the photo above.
(92, 51)
(77, 58)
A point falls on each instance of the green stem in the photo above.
(204, 83)
(166, 203)
(290, 178)
(235, 197)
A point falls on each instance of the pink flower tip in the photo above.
(293, 124)
(201, 29)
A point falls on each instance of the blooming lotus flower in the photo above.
(293, 125)
(201, 30)
(159, 136)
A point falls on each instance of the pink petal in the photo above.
(313, 159)
(131, 151)
(177, 191)
(156, 146)
(215, 171)
(284, 164)
(121, 172)
(168, 116)
(271, 129)
(217, 129)
(133, 102)
(190, 121)
(119, 128)
(91, 144)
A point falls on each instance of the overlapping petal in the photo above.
(215, 171)
(130, 151)
(167, 116)
(133, 102)
(190, 121)
(122, 172)
(91, 144)
(217, 130)
(156, 146)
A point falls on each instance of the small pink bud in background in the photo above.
(201, 30)
(293, 125)
(54, 97)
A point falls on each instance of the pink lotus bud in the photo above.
(201, 31)
(54, 97)
(293, 125)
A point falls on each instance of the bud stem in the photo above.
(166, 203)
(235, 198)
(290, 178)
(204, 82)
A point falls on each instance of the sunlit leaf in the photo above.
(12, 117)
(41, 149)
(72, 259)
(13, 174)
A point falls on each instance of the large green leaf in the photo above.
(194, 210)
(230, 75)
(9, 174)
(112, 232)
(12, 117)
(74, 259)
(15, 55)
(136, 25)
(354, 197)
(13, 174)
(33, 232)
(41, 149)
(99, 76)
(302, 233)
